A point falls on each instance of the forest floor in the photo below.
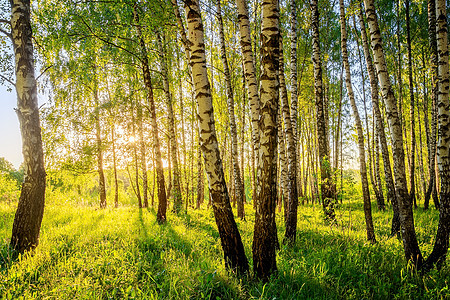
(88, 253)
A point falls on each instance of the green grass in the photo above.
(87, 253)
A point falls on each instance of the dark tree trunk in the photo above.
(325, 169)
(412, 192)
(142, 151)
(116, 184)
(432, 185)
(98, 138)
(136, 161)
(173, 146)
(291, 155)
(162, 198)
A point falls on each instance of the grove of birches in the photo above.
(226, 149)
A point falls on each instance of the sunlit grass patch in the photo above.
(88, 253)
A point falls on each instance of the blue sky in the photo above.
(10, 141)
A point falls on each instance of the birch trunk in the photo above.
(359, 129)
(410, 245)
(162, 198)
(294, 87)
(249, 70)
(283, 177)
(136, 160)
(391, 193)
(30, 210)
(98, 139)
(291, 220)
(232, 246)
(440, 249)
(142, 151)
(412, 192)
(239, 186)
(116, 183)
(432, 186)
(265, 232)
(325, 168)
(377, 188)
(173, 147)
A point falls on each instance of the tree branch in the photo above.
(108, 42)
(7, 80)
(8, 34)
(42, 73)
(5, 22)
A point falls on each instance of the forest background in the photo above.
(119, 125)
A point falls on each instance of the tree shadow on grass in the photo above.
(180, 261)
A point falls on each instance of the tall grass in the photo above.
(87, 253)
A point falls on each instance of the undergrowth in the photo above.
(88, 253)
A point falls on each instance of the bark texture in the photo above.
(249, 69)
(30, 210)
(410, 245)
(265, 233)
(391, 194)
(230, 238)
(432, 136)
(440, 249)
(291, 220)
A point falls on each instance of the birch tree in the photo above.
(359, 129)
(325, 167)
(230, 238)
(30, 210)
(265, 232)
(231, 115)
(410, 244)
(440, 249)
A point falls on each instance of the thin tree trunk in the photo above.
(116, 184)
(412, 159)
(410, 244)
(283, 176)
(173, 147)
(30, 210)
(391, 193)
(325, 169)
(239, 186)
(143, 157)
(359, 129)
(232, 246)
(378, 191)
(440, 248)
(432, 187)
(98, 139)
(136, 159)
(162, 198)
(291, 155)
